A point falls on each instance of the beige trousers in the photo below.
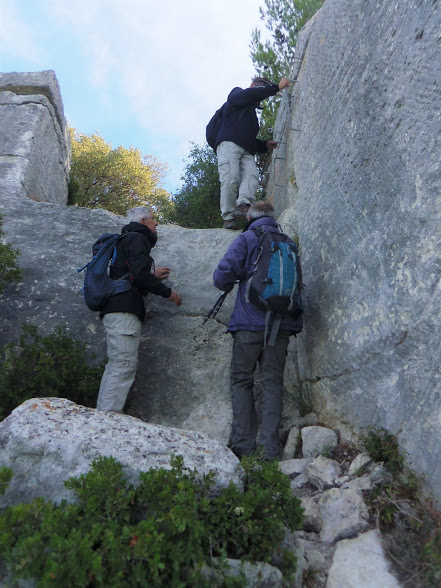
(238, 177)
(123, 333)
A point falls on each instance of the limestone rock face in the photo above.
(368, 212)
(183, 370)
(34, 143)
(48, 440)
(361, 562)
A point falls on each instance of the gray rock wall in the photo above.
(183, 371)
(34, 142)
(367, 166)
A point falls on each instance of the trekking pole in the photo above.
(216, 307)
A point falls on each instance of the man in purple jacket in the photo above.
(236, 145)
(247, 325)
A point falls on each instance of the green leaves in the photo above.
(157, 534)
(5, 476)
(9, 271)
(50, 365)
(275, 58)
(115, 179)
(197, 203)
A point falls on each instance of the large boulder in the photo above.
(45, 441)
(34, 141)
(183, 369)
(367, 165)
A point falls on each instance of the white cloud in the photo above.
(167, 65)
(170, 59)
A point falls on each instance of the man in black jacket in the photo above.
(236, 145)
(124, 313)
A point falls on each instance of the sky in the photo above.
(141, 73)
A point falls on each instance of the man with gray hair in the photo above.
(237, 143)
(248, 327)
(124, 313)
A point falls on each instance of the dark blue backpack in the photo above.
(213, 127)
(275, 282)
(98, 286)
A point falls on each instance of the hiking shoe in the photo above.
(241, 210)
(230, 224)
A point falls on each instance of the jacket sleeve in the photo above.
(139, 264)
(249, 96)
(232, 266)
(261, 146)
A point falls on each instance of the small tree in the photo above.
(275, 58)
(46, 365)
(115, 179)
(197, 202)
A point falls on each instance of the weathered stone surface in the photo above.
(299, 481)
(368, 212)
(184, 366)
(34, 142)
(344, 514)
(359, 463)
(323, 472)
(316, 439)
(361, 562)
(46, 441)
(291, 444)
(312, 521)
(293, 467)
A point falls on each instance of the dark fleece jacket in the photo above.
(133, 257)
(239, 118)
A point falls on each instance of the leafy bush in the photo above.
(9, 271)
(5, 476)
(410, 524)
(383, 446)
(51, 365)
(157, 534)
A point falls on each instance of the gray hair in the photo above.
(261, 208)
(259, 81)
(135, 215)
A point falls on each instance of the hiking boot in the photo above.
(241, 210)
(230, 224)
(232, 448)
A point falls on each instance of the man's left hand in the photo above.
(271, 145)
(162, 273)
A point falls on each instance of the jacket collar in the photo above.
(263, 220)
(139, 228)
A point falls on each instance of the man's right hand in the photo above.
(284, 83)
(174, 297)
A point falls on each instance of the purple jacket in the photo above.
(236, 265)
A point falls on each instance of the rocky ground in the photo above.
(340, 543)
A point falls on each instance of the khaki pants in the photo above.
(123, 333)
(238, 177)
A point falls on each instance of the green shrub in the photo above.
(383, 446)
(5, 476)
(158, 533)
(50, 365)
(9, 271)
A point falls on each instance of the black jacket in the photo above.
(133, 257)
(239, 120)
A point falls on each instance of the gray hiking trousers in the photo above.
(248, 349)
